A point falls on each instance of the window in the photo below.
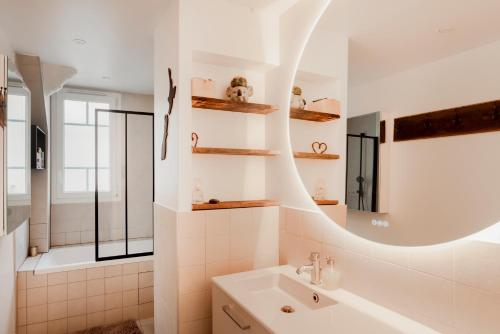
(74, 125)
(18, 137)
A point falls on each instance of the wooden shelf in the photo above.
(313, 116)
(234, 151)
(327, 202)
(236, 204)
(225, 105)
(318, 156)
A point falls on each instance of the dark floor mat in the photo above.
(127, 327)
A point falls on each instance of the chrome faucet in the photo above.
(314, 268)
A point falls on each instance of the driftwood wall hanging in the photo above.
(3, 106)
(477, 118)
(171, 97)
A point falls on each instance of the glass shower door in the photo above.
(124, 179)
(362, 172)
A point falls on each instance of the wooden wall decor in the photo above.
(477, 118)
(382, 132)
(171, 97)
(194, 139)
(319, 148)
(3, 106)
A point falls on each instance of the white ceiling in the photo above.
(119, 35)
(388, 36)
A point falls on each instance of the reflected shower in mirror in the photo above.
(18, 153)
(406, 128)
(362, 162)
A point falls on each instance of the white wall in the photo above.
(233, 31)
(439, 189)
(137, 102)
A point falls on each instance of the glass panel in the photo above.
(75, 112)
(16, 179)
(140, 183)
(103, 149)
(104, 180)
(79, 146)
(111, 205)
(360, 173)
(16, 144)
(103, 117)
(75, 180)
(16, 107)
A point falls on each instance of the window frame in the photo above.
(20, 199)
(57, 147)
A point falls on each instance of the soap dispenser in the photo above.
(331, 277)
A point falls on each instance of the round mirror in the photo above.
(395, 119)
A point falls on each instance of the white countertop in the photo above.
(352, 314)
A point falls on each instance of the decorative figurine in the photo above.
(296, 100)
(239, 91)
(319, 148)
(171, 97)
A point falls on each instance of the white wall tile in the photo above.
(476, 311)
(57, 310)
(57, 278)
(191, 224)
(37, 296)
(477, 264)
(431, 297)
(217, 222)
(57, 293)
(192, 279)
(437, 260)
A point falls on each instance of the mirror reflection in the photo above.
(396, 137)
(18, 153)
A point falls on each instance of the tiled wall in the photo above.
(208, 244)
(219, 242)
(39, 222)
(453, 288)
(69, 301)
(74, 223)
(165, 271)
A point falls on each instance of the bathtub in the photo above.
(68, 258)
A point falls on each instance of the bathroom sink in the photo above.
(277, 300)
(274, 291)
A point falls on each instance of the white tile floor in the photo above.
(147, 326)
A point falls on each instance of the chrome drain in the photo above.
(287, 309)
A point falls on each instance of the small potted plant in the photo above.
(296, 100)
(239, 91)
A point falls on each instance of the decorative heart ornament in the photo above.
(194, 139)
(319, 148)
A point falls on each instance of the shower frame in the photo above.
(126, 255)
(376, 144)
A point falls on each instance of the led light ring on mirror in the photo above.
(310, 205)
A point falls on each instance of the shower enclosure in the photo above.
(362, 172)
(124, 192)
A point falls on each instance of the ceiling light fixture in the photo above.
(79, 41)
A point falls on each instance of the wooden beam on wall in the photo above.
(477, 118)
